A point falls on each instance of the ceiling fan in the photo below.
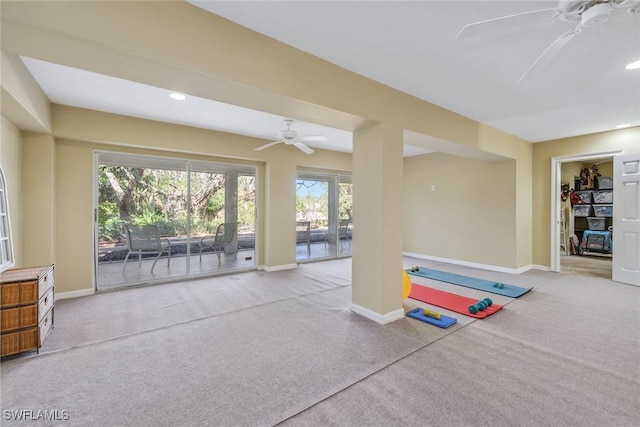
(586, 13)
(290, 137)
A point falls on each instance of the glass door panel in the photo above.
(345, 216)
(222, 217)
(142, 222)
(314, 211)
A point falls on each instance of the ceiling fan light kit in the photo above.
(595, 15)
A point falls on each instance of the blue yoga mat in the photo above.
(470, 282)
(443, 322)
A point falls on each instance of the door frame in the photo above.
(556, 176)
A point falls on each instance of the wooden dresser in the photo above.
(26, 308)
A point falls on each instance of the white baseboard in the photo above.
(383, 319)
(75, 294)
(277, 267)
(471, 264)
(540, 267)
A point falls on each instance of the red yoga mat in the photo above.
(453, 302)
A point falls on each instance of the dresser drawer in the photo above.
(45, 304)
(19, 317)
(45, 326)
(19, 341)
(18, 293)
(45, 281)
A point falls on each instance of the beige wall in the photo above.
(11, 161)
(39, 198)
(471, 215)
(74, 217)
(626, 140)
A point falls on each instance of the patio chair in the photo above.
(226, 236)
(343, 228)
(303, 234)
(145, 240)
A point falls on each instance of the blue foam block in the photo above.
(443, 322)
(470, 282)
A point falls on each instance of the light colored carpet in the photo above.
(265, 348)
(594, 264)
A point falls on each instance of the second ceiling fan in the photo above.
(584, 13)
(290, 137)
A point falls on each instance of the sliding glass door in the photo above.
(323, 216)
(160, 219)
(222, 217)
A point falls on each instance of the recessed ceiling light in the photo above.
(177, 96)
(624, 125)
(633, 66)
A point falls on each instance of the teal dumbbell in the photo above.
(480, 306)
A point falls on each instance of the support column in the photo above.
(377, 223)
(280, 217)
(38, 204)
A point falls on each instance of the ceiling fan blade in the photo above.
(269, 145)
(547, 56)
(303, 147)
(624, 3)
(313, 138)
(476, 27)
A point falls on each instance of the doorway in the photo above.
(569, 224)
(589, 186)
(324, 216)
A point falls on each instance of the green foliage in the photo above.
(156, 196)
(345, 200)
(109, 224)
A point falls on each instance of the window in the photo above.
(6, 245)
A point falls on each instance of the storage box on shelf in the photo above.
(604, 182)
(26, 308)
(602, 196)
(597, 224)
(603, 210)
(585, 197)
(582, 210)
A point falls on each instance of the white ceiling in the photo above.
(411, 46)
